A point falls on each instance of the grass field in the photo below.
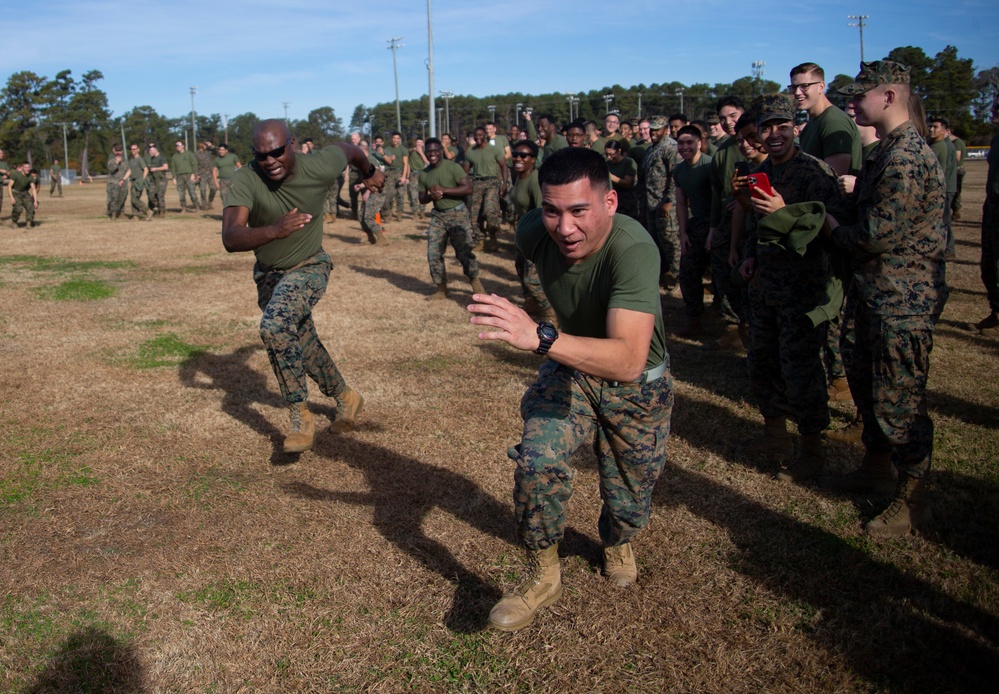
(154, 538)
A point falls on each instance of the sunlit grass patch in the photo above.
(164, 350)
(78, 290)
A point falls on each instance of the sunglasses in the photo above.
(273, 154)
(521, 155)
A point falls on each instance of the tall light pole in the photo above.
(65, 150)
(440, 117)
(423, 125)
(569, 97)
(225, 126)
(194, 131)
(430, 66)
(639, 105)
(394, 44)
(516, 114)
(286, 105)
(446, 123)
(608, 98)
(492, 113)
(757, 66)
(679, 93)
(861, 23)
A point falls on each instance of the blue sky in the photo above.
(254, 55)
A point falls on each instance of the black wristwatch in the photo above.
(371, 172)
(547, 334)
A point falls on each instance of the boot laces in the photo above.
(296, 417)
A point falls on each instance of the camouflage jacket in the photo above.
(657, 167)
(898, 242)
(206, 160)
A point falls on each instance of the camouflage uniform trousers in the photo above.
(734, 304)
(207, 189)
(395, 194)
(329, 205)
(955, 205)
(369, 208)
(627, 424)
(530, 282)
(485, 204)
(156, 191)
(948, 219)
(56, 184)
(785, 366)
(694, 262)
(666, 233)
(22, 201)
(286, 298)
(832, 358)
(138, 205)
(413, 190)
(450, 225)
(186, 185)
(224, 189)
(116, 194)
(890, 367)
(990, 252)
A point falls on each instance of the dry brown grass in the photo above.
(153, 538)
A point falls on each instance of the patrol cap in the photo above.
(774, 106)
(658, 122)
(874, 73)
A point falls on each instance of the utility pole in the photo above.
(430, 67)
(757, 66)
(861, 23)
(639, 105)
(65, 151)
(608, 98)
(225, 126)
(194, 132)
(570, 97)
(679, 93)
(286, 105)
(446, 123)
(423, 125)
(492, 113)
(440, 118)
(516, 114)
(394, 44)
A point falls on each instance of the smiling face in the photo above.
(612, 123)
(777, 137)
(434, 153)
(688, 146)
(523, 160)
(729, 116)
(807, 90)
(579, 217)
(480, 137)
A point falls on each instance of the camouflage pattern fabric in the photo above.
(734, 304)
(450, 225)
(138, 204)
(693, 263)
(22, 201)
(286, 298)
(628, 426)
(395, 195)
(206, 184)
(530, 282)
(369, 208)
(413, 189)
(891, 364)
(785, 371)
(186, 186)
(224, 189)
(990, 252)
(485, 204)
(115, 196)
(660, 189)
(832, 360)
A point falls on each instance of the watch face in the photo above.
(547, 331)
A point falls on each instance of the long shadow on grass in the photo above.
(242, 387)
(91, 660)
(895, 630)
(404, 491)
(973, 413)
(404, 282)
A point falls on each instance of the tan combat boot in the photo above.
(872, 477)
(851, 433)
(619, 565)
(809, 464)
(775, 440)
(381, 239)
(351, 403)
(731, 341)
(439, 293)
(477, 287)
(540, 586)
(909, 511)
(303, 429)
(988, 326)
(839, 390)
(149, 216)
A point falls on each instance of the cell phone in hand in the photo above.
(741, 168)
(759, 181)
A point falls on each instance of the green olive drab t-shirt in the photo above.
(226, 165)
(527, 193)
(624, 273)
(400, 153)
(484, 161)
(695, 181)
(833, 132)
(447, 174)
(268, 201)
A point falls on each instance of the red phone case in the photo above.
(761, 181)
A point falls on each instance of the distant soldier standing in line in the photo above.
(207, 187)
(138, 172)
(157, 186)
(118, 176)
(185, 168)
(224, 166)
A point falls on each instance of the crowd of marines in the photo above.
(823, 235)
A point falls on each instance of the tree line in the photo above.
(36, 112)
